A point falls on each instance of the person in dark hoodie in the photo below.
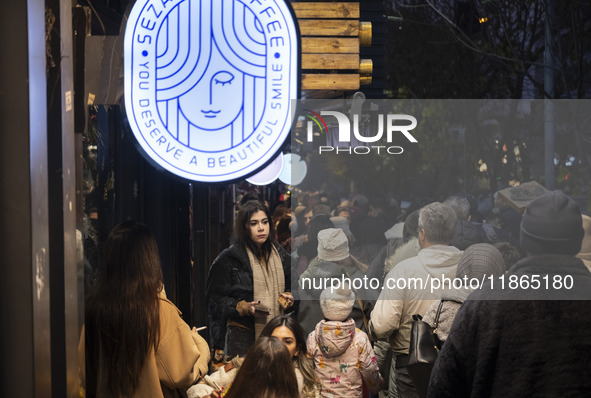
(529, 338)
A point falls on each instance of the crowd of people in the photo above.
(513, 323)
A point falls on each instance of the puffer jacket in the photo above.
(230, 281)
(343, 358)
(391, 317)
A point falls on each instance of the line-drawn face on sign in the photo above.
(209, 84)
(212, 103)
(223, 73)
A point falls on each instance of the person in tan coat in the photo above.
(134, 343)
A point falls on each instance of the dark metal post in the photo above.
(24, 245)
(549, 112)
(64, 295)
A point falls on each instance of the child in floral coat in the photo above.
(342, 354)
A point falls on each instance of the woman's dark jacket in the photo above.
(230, 281)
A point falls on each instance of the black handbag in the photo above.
(424, 347)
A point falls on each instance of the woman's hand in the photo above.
(246, 308)
(286, 300)
(215, 394)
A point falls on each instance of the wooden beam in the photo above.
(330, 61)
(328, 27)
(332, 45)
(326, 10)
(330, 81)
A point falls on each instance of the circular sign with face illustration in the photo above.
(209, 83)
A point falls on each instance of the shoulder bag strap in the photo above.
(437, 315)
(365, 323)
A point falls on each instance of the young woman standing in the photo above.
(248, 283)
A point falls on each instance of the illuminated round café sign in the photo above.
(209, 83)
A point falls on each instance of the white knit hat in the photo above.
(332, 245)
(337, 305)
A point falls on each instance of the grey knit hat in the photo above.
(480, 261)
(552, 224)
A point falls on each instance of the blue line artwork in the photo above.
(209, 83)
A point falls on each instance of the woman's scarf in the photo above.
(267, 282)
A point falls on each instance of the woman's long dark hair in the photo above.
(267, 372)
(245, 212)
(302, 360)
(122, 312)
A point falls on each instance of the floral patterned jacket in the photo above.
(343, 358)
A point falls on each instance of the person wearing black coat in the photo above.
(527, 338)
(230, 290)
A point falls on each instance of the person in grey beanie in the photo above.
(526, 333)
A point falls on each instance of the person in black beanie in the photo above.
(529, 337)
(552, 224)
